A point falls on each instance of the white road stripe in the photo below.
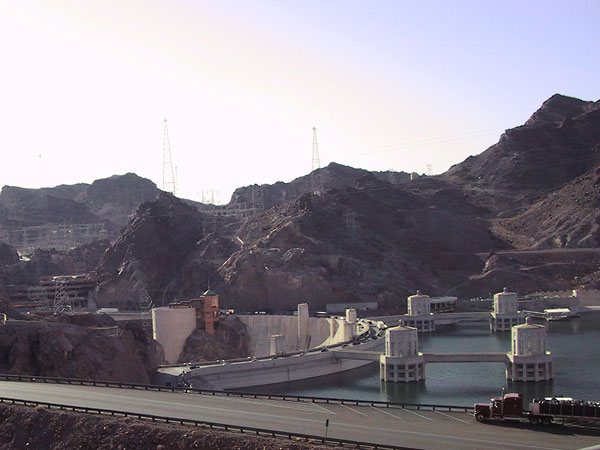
(330, 412)
(353, 410)
(452, 417)
(416, 414)
(268, 403)
(381, 410)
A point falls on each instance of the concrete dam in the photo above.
(286, 348)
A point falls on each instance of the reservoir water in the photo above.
(575, 346)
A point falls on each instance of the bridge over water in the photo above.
(499, 357)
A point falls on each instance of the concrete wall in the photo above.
(171, 327)
(318, 329)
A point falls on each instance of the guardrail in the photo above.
(246, 394)
(205, 424)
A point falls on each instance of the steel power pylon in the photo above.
(316, 164)
(169, 184)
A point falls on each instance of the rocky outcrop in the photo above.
(116, 198)
(558, 108)
(373, 242)
(139, 266)
(230, 341)
(559, 143)
(28, 272)
(334, 176)
(568, 217)
(8, 255)
(101, 352)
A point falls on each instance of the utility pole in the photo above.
(316, 164)
(168, 170)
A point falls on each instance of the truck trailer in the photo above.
(544, 411)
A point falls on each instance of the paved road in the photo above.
(410, 428)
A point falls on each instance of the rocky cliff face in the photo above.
(560, 142)
(95, 351)
(373, 242)
(230, 341)
(139, 266)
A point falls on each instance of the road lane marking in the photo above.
(176, 405)
(416, 414)
(271, 403)
(452, 417)
(387, 412)
(353, 410)
(330, 412)
(501, 444)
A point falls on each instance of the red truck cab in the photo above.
(510, 405)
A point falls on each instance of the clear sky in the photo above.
(389, 84)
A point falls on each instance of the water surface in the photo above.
(575, 346)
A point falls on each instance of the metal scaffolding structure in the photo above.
(60, 237)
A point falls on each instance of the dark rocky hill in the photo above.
(376, 241)
(139, 265)
(334, 176)
(111, 201)
(560, 142)
(364, 236)
(21, 207)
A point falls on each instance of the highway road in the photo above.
(403, 427)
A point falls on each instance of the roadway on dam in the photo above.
(412, 428)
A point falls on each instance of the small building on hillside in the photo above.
(207, 311)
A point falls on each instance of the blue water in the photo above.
(575, 346)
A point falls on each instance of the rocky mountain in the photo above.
(376, 241)
(141, 263)
(334, 176)
(108, 202)
(540, 180)
(560, 142)
(21, 207)
(371, 236)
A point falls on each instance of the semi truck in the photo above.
(544, 411)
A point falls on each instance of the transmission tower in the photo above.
(316, 164)
(168, 169)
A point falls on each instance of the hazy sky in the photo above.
(388, 84)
